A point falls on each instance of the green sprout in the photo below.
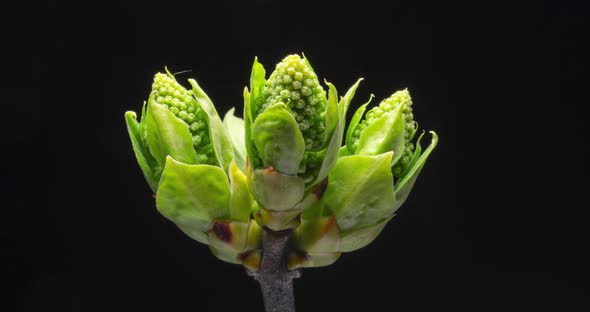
(277, 191)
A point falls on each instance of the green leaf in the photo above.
(146, 162)
(194, 233)
(356, 118)
(257, 81)
(383, 135)
(334, 145)
(234, 127)
(307, 62)
(345, 101)
(221, 143)
(359, 238)
(276, 191)
(252, 102)
(278, 139)
(248, 122)
(415, 156)
(142, 122)
(404, 186)
(332, 116)
(241, 200)
(167, 135)
(332, 152)
(360, 190)
(193, 196)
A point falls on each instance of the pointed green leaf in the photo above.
(334, 145)
(278, 139)
(142, 122)
(415, 156)
(345, 101)
(146, 162)
(332, 152)
(252, 155)
(360, 190)
(403, 188)
(252, 102)
(359, 238)
(221, 143)
(234, 127)
(167, 135)
(257, 81)
(193, 196)
(307, 62)
(241, 200)
(356, 118)
(332, 116)
(383, 135)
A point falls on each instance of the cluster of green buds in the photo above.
(283, 167)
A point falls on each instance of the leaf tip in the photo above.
(434, 138)
(130, 115)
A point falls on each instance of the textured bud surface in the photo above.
(180, 102)
(400, 98)
(295, 84)
(312, 162)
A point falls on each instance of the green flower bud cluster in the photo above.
(295, 84)
(181, 103)
(283, 168)
(312, 162)
(400, 99)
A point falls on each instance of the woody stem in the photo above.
(276, 281)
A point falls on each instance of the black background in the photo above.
(497, 220)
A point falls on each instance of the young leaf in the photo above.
(241, 200)
(252, 155)
(221, 142)
(345, 101)
(146, 162)
(335, 140)
(356, 118)
(276, 191)
(359, 238)
(234, 127)
(193, 196)
(257, 81)
(332, 116)
(194, 233)
(404, 186)
(360, 190)
(167, 135)
(385, 134)
(278, 139)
